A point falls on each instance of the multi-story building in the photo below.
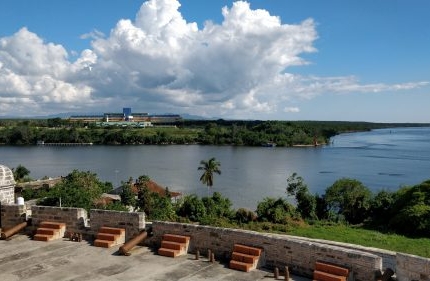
(127, 116)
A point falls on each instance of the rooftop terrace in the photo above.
(24, 259)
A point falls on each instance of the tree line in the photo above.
(208, 132)
(347, 201)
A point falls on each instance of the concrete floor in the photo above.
(24, 259)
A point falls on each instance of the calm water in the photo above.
(381, 159)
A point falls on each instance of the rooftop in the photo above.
(25, 259)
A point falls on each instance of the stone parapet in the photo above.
(298, 253)
(388, 257)
(75, 218)
(412, 268)
(12, 215)
(133, 223)
(278, 250)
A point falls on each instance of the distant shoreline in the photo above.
(309, 145)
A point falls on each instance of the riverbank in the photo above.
(379, 159)
(36, 184)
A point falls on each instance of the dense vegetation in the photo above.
(215, 132)
(348, 211)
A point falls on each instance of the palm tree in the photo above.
(209, 167)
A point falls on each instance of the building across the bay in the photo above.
(128, 118)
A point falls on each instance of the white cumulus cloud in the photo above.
(34, 76)
(159, 62)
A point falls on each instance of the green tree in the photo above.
(321, 208)
(191, 207)
(115, 206)
(128, 198)
(156, 206)
(143, 193)
(245, 216)
(410, 212)
(54, 122)
(306, 202)
(218, 206)
(21, 135)
(209, 168)
(20, 173)
(380, 207)
(163, 207)
(349, 198)
(78, 189)
(275, 210)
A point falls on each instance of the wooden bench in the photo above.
(173, 245)
(329, 272)
(109, 236)
(48, 231)
(244, 258)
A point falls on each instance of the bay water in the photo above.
(380, 159)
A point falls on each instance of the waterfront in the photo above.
(381, 159)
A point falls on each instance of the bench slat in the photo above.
(246, 250)
(324, 276)
(332, 269)
(240, 265)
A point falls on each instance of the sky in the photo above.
(358, 60)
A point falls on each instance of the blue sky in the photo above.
(362, 60)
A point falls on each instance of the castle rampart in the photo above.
(299, 254)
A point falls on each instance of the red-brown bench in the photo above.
(109, 236)
(329, 272)
(173, 245)
(48, 231)
(244, 258)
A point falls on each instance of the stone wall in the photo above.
(76, 219)
(12, 215)
(7, 194)
(412, 268)
(299, 254)
(388, 257)
(278, 250)
(132, 222)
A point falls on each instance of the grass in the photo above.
(351, 235)
(365, 237)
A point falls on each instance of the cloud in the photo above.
(94, 34)
(161, 57)
(159, 62)
(291, 109)
(34, 75)
(309, 87)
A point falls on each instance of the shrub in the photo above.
(191, 207)
(218, 206)
(410, 213)
(155, 206)
(245, 216)
(275, 210)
